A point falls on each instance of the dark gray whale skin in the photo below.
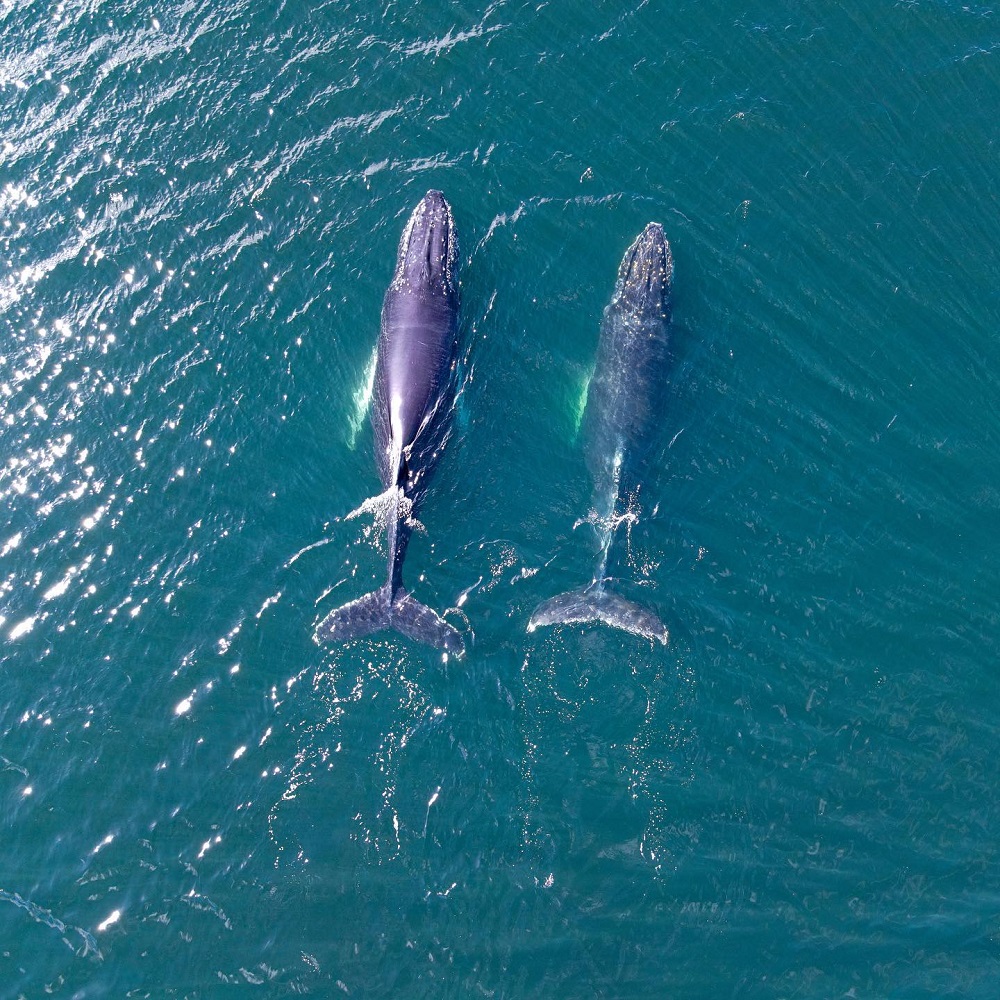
(412, 404)
(621, 419)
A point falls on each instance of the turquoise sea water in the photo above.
(199, 209)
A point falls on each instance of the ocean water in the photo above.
(199, 209)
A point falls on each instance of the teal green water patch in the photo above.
(795, 797)
(362, 400)
(578, 399)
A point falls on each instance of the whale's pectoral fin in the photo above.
(590, 605)
(378, 610)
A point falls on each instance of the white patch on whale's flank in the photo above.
(394, 412)
(396, 434)
(362, 401)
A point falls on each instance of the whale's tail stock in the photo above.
(595, 603)
(383, 609)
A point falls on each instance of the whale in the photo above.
(411, 409)
(620, 422)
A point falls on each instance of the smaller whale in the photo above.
(620, 420)
(412, 404)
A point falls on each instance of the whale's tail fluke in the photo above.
(594, 603)
(381, 609)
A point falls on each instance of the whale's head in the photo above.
(645, 274)
(428, 250)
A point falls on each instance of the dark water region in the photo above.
(199, 209)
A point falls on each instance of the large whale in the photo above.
(412, 405)
(619, 423)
